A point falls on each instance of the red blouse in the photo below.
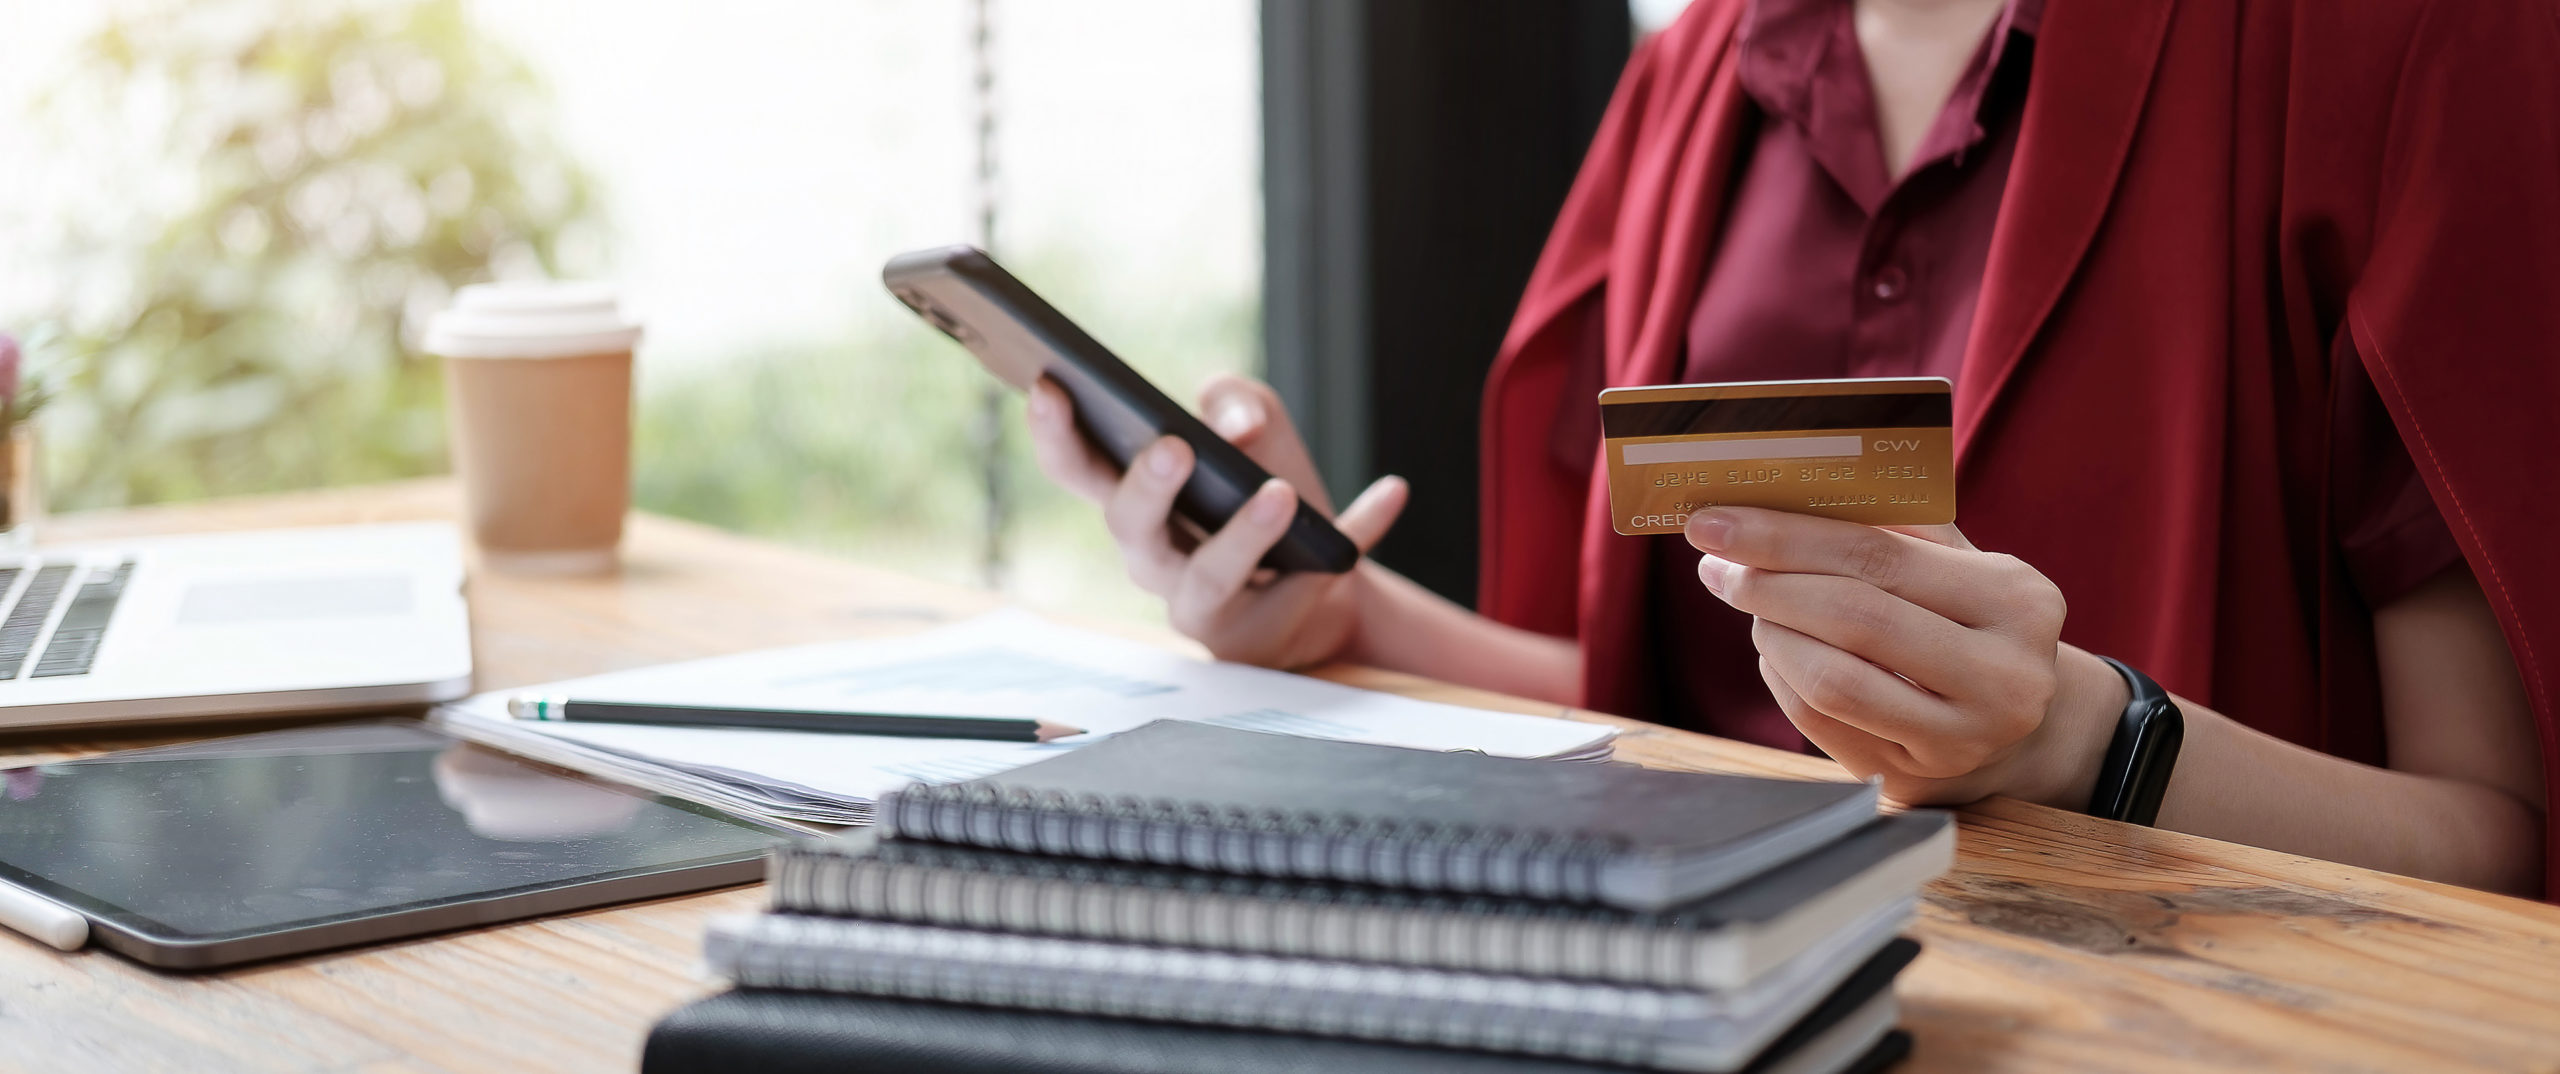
(1828, 266)
(2230, 233)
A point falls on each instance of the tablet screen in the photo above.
(257, 833)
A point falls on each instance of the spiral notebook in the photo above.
(1722, 941)
(1656, 1028)
(777, 1032)
(1227, 800)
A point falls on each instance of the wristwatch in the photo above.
(2135, 775)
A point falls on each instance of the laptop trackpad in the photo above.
(347, 597)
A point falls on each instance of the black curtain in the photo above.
(1414, 154)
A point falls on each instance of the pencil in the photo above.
(1000, 728)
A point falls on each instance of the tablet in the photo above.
(260, 846)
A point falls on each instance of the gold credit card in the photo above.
(1879, 452)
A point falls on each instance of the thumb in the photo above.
(1946, 535)
(1249, 415)
(1234, 410)
(1369, 517)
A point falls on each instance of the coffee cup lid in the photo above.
(532, 319)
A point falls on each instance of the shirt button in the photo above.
(1890, 284)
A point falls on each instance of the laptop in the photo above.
(233, 624)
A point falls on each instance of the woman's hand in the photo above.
(1915, 656)
(1215, 589)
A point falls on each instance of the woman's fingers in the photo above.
(1139, 510)
(1230, 561)
(1061, 451)
(1226, 563)
(1929, 736)
(1249, 414)
(1374, 512)
(1861, 753)
(1237, 408)
(1945, 535)
(1972, 588)
(1857, 618)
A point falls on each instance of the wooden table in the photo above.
(2059, 943)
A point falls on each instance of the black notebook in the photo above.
(768, 1032)
(781, 1032)
(1667, 1029)
(1722, 941)
(1182, 793)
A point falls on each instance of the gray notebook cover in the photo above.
(1715, 942)
(1217, 798)
(1663, 1029)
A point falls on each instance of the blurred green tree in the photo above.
(266, 192)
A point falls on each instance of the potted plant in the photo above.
(24, 390)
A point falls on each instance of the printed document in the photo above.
(1007, 663)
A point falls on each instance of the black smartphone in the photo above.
(1020, 338)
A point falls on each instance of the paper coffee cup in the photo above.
(538, 396)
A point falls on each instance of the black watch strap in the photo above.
(2135, 775)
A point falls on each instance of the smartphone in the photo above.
(1021, 339)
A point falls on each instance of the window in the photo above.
(226, 213)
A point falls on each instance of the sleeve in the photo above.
(2390, 535)
(2458, 307)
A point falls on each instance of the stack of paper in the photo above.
(1004, 664)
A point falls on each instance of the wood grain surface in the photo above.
(2059, 942)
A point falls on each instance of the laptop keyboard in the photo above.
(73, 649)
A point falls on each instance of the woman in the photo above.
(2251, 309)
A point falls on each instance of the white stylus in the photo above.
(48, 921)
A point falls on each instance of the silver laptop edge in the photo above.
(233, 625)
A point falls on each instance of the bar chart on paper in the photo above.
(1004, 664)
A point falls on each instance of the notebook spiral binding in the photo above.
(1470, 933)
(1394, 853)
(1581, 1021)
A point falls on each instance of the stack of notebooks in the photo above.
(1186, 897)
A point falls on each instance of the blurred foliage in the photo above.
(41, 369)
(256, 196)
(867, 447)
(249, 201)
